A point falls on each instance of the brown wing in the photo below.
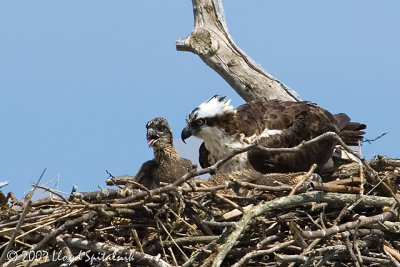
(203, 156)
(259, 114)
(188, 164)
(145, 175)
(350, 132)
(298, 121)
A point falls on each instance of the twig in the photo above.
(173, 240)
(173, 256)
(303, 179)
(17, 241)
(228, 201)
(136, 237)
(350, 225)
(48, 223)
(334, 188)
(349, 247)
(392, 252)
(278, 188)
(191, 240)
(347, 181)
(53, 192)
(290, 258)
(369, 141)
(257, 253)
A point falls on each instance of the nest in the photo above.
(347, 218)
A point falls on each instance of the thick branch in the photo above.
(210, 40)
(290, 201)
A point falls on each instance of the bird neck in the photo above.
(167, 152)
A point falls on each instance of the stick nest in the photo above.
(347, 218)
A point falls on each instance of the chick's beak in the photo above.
(186, 133)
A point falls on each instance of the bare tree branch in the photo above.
(211, 41)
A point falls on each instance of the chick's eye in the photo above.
(200, 121)
(160, 128)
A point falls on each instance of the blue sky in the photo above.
(80, 79)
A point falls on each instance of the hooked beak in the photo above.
(186, 133)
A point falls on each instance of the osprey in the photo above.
(274, 124)
(167, 166)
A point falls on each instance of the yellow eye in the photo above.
(200, 122)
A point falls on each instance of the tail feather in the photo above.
(350, 132)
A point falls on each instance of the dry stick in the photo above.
(114, 206)
(278, 188)
(308, 249)
(230, 202)
(334, 187)
(182, 220)
(384, 262)
(113, 249)
(21, 220)
(18, 242)
(205, 189)
(191, 240)
(173, 256)
(362, 178)
(349, 246)
(355, 245)
(351, 180)
(290, 201)
(392, 252)
(136, 237)
(159, 237)
(40, 212)
(56, 232)
(291, 258)
(53, 192)
(392, 258)
(257, 253)
(50, 222)
(173, 240)
(303, 179)
(350, 225)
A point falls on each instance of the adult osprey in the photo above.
(273, 123)
(167, 166)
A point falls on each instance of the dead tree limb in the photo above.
(211, 41)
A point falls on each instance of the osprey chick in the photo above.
(167, 166)
(273, 123)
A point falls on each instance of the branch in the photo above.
(286, 202)
(2, 184)
(211, 41)
(347, 226)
